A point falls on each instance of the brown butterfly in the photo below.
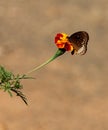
(79, 41)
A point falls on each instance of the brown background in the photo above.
(71, 93)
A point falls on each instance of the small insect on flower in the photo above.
(76, 43)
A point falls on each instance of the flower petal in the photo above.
(68, 46)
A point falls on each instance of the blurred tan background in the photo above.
(71, 93)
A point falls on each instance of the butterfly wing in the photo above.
(79, 41)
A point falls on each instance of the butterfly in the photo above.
(79, 41)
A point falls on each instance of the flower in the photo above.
(62, 42)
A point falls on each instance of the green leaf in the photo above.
(12, 83)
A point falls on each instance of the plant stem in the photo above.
(57, 54)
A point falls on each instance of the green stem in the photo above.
(57, 54)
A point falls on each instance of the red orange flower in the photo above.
(62, 42)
